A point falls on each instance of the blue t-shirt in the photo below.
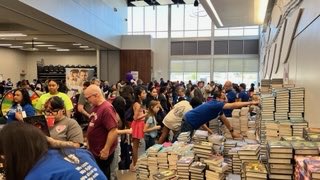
(11, 115)
(54, 165)
(244, 96)
(231, 96)
(151, 121)
(204, 113)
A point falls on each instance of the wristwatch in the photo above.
(231, 130)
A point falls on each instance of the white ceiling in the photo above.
(13, 20)
(233, 13)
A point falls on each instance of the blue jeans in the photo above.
(186, 127)
(149, 141)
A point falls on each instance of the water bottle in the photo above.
(19, 108)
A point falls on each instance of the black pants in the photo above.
(104, 165)
(150, 141)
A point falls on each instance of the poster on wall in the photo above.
(75, 77)
(135, 75)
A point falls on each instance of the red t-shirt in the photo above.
(101, 122)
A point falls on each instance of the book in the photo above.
(197, 167)
(249, 149)
(279, 147)
(279, 161)
(164, 175)
(281, 155)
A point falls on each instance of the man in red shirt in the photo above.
(102, 134)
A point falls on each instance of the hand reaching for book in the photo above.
(236, 135)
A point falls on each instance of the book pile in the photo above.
(285, 128)
(282, 104)
(297, 127)
(162, 158)
(202, 149)
(268, 108)
(236, 162)
(165, 175)
(235, 121)
(307, 167)
(142, 171)
(311, 134)
(152, 153)
(183, 167)
(214, 125)
(279, 159)
(184, 137)
(172, 159)
(305, 148)
(292, 138)
(225, 131)
(249, 152)
(216, 168)
(200, 135)
(197, 170)
(277, 83)
(265, 85)
(228, 144)
(217, 141)
(255, 170)
(244, 120)
(296, 103)
(272, 129)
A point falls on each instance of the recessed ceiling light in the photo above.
(44, 45)
(163, 2)
(16, 46)
(34, 43)
(139, 3)
(89, 49)
(85, 47)
(5, 44)
(12, 35)
(31, 49)
(76, 44)
(63, 50)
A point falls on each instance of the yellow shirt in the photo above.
(43, 99)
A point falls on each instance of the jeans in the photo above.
(186, 127)
(104, 165)
(149, 141)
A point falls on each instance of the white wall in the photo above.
(12, 64)
(56, 58)
(160, 49)
(136, 42)
(303, 63)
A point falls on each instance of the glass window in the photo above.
(220, 77)
(221, 32)
(250, 65)
(190, 33)
(235, 65)
(176, 76)
(251, 32)
(137, 19)
(176, 34)
(162, 34)
(189, 76)
(238, 31)
(149, 18)
(220, 65)
(250, 77)
(191, 17)
(204, 33)
(203, 65)
(129, 19)
(235, 77)
(177, 16)
(153, 34)
(190, 65)
(177, 66)
(203, 76)
(162, 18)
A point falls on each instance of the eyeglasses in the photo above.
(87, 98)
(52, 112)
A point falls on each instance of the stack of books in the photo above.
(285, 128)
(280, 154)
(172, 159)
(183, 167)
(249, 152)
(216, 167)
(228, 144)
(305, 148)
(200, 135)
(142, 171)
(203, 149)
(299, 171)
(236, 162)
(197, 170)
(217, 141)
(282, 104)
(277, 83)
(162, 158)
(272, 129)
(265, 86)
(297, 127)
(244, 120)
(152, 153)
(292, 138)
(309, 132)
(268, 108)
(165, 175)
(235, 121)
(184, 137)
(312, 166)
(214, 125)
(255, 170)
(296, 103)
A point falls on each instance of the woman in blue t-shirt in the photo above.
(36, 161)
(21, 106)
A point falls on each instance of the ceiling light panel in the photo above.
(16, 47)
(12, 35)
(163, 2)
(85, 47)
(63, 50)
(35, 43)
(44, 45)
(4, 45)
(139, 3)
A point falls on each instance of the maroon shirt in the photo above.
(103, 120)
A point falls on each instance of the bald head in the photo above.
(93, 94)
(227, 85)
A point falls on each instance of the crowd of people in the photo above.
(86, 130)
